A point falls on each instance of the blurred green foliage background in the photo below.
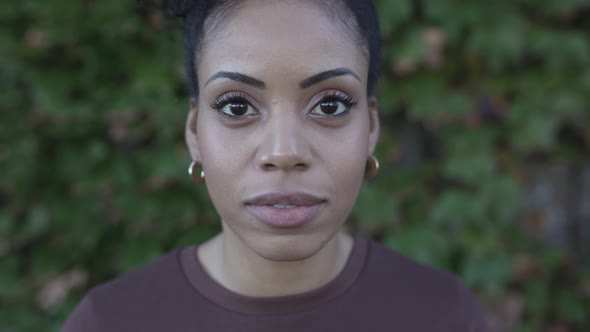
(485, 152)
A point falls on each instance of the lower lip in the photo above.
(285, 218)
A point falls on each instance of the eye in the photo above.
(233, 105)
(334, 104)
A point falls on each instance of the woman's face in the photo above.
(283, 126)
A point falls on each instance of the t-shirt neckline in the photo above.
(215, 292)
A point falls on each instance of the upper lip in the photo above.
(294, 198)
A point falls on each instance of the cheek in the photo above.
(221, 173)
(221, 149)
(345, 158)
(350, 170)
(221, 154)
(346, 166)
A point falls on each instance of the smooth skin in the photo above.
(282, 58)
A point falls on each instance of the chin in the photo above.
(288, 248)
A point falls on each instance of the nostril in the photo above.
(301, 166)
(273, 166)
(269, 166)
(282, 160)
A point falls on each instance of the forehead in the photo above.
(266, 36)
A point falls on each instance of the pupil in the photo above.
(329, 107)
(238, 108)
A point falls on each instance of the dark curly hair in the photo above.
(358, 16)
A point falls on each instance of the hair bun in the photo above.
(179, 7)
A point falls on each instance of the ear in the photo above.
(190, 132)
(374, 125)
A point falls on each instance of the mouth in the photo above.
(286, 210)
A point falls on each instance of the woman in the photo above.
(283, 123)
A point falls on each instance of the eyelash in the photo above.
(341, 97)
(232, 97)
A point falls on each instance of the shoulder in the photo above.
(130, 295)
(162, 272)
(421, 290)
(387, 263)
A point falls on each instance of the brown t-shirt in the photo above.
(378, 290)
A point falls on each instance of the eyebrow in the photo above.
(306, 83)
(238, 77)
(326, 75)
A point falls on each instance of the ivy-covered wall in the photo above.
(485, 152)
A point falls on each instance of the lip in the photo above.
(285, 210)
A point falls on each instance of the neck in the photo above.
(235, 266)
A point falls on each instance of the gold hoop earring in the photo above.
(371, 168)
(198, 177)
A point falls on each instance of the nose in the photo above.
(284, 145)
